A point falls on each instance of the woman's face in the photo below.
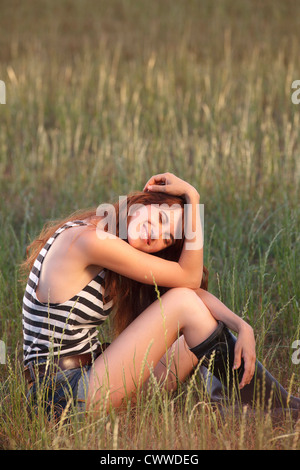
(154, 227)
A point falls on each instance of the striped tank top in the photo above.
(66, 328)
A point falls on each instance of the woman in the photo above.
(82, 267)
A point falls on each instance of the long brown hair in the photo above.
(130, 297)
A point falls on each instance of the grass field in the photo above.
(100, 96)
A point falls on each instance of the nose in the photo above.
(155, 231)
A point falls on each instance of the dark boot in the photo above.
(213, 387)
(217, 354)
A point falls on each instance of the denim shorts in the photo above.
(56, 392)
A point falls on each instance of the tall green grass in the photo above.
(100, 96)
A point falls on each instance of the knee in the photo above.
(181, 296)
(185, 301)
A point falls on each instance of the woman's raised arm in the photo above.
(109, 251)
(191, 259)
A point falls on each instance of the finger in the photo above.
(252, 365)
(237, 357)
(156, 179)
(245, 379)
(157, 188)
(237, 364)
(249, 369)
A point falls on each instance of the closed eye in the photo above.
(164, 219)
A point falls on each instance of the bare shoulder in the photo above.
(93, 243)
(66, 247)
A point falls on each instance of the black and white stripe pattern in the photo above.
(66, 328)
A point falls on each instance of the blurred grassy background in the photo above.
(103, 94)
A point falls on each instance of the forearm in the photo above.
(191, 258)
(222, 313)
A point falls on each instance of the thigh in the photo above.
(125, 365)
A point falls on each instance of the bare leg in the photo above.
(125, 364)
(176, 365)
(183, 359)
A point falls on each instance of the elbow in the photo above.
(193, 282)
